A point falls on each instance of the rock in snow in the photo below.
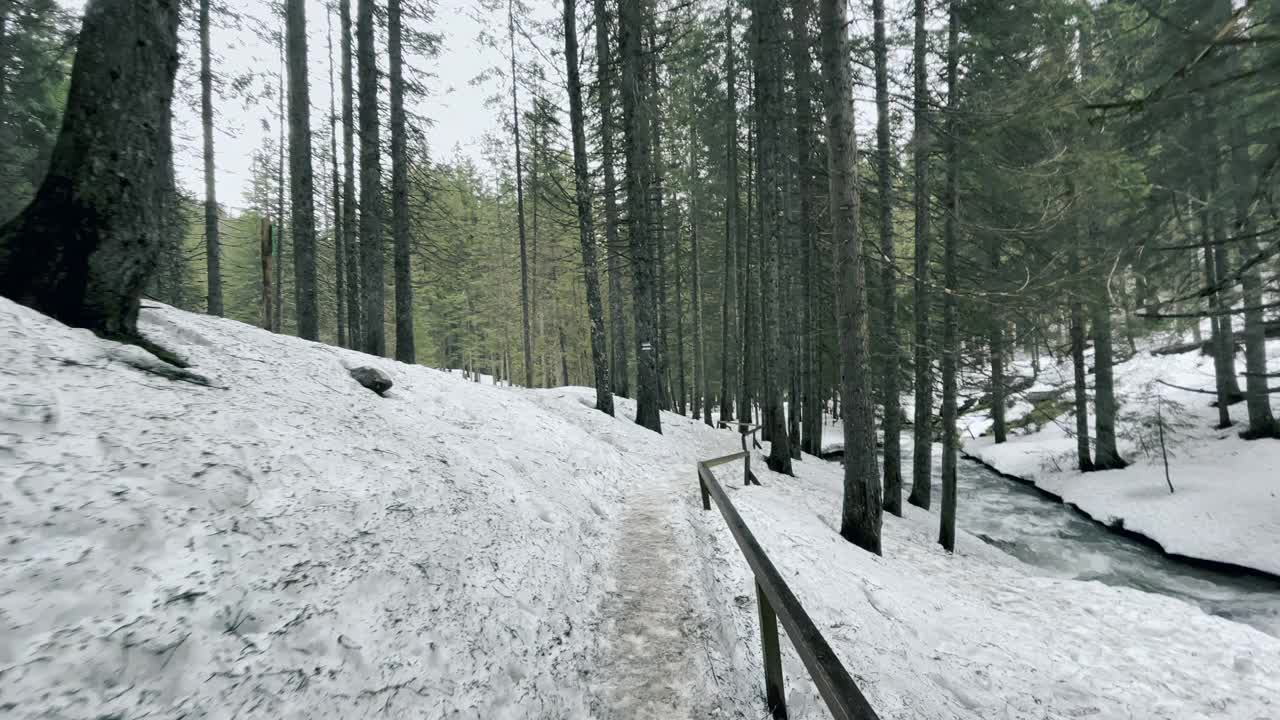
(276, 549)
(372, 378)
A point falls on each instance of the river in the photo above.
(1056, 538)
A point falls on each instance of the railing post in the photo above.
(702, 485)
(772, 657)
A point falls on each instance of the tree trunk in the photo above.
(212, 248)
(1083, 458)
(950, 323)
(375, 334)
(728, 365)
(746, 297)
(301, 180)
(524, 255)
(803, 400)
(355, 304)
(339, 237)
(1106, 455)
(922, 462)
(405, 350)
(586, 229)
(995, 341)
(277, 323)
(84, 248)
(861, 512)
(619, 369)
(767, 16)
(636, 132)
(701, 385)
(888, 341)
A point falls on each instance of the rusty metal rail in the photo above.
(776, 602)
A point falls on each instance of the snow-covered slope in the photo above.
(287, 544)
(1226, 504)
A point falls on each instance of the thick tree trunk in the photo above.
(636, 131)
(1106, 455)
(619, 369)
(277, 322)
(678, 271)
(212, 248)
(701, 385)
(950, 321)
(888, 341)
(922, 462)
(355, 303)
(1218, 337)
(84, 248)
(586, 230)
(301, 179)
(767, 16)
(804, 404)
(524, 255)
(860, 517)
(375, 334)
(405, 350)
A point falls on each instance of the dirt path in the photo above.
(653, 663)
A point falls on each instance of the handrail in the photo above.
(776, 601)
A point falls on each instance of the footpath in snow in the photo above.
(1226, 504)
(280, 542)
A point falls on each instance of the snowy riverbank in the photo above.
(287, 544)
(1225, 506)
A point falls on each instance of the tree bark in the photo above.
(301, 179)
(619, 366)
(212, 248)
(84, 248)
(922, 430)
(729, 289)
(995, 340)
(1106, 455)
(636, 132)
(950, 322)
(1083, 453)
(355, 302)
(586, 229)
(524, 255)
(888, 341)
(339, 236)
(861, 511)
(371, 247)
(767, 15)
(405, 350)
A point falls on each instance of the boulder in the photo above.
(372, 378)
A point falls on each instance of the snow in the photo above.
(1226, 504)
(280, 542)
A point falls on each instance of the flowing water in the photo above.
(1052, 536)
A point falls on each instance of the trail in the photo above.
(652, 663)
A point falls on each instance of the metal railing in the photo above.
(777, 602)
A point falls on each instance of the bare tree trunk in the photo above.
(1083, 454)
(586, 229)
(277, 323)
(375, 334)
(301, 179)
(636, 131)
(767, 16)
(888, 277)
(84, 248)
(339, 237)
(212, 248)
(729, 290)
(355, 303)
(701, 385)
(950, 322)
(619, 369)
(405, 351)
(524, 257)
(861, 512)
(681, 389)
(922, 461)
(995, 341)
(1106, 455)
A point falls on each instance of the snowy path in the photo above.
(651, 654)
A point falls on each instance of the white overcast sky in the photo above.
(455, 105)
